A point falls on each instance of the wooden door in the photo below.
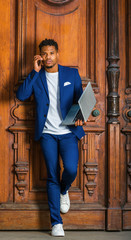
(80, 28)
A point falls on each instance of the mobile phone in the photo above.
(39, 62)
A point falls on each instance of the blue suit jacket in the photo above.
(36, 83)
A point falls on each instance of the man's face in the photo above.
(50, 56)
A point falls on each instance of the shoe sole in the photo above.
(58, 235)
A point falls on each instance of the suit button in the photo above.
(47, 104)
(45, 115)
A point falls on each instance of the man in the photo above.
(55, 89)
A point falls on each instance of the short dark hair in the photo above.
(48, 42)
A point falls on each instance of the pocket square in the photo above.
(67, 83)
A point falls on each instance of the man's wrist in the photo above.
(33, 73)
(36, 70)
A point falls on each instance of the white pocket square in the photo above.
(67, 83)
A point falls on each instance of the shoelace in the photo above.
(58, 226)
(64, 198)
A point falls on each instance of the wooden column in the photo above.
(114, 210)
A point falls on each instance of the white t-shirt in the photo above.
(54, 117)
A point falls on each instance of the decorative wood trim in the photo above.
(44, 206)
(23, 111)
(129, 171)
(57, 8)
(128, 46)
(127, 219)
(91, 148)
(113, 71)
(58, 2)
(35, 219)
(91, 36)
(21, 166)
(127, 132)
(114, 212)
(90, 169)
(21, 170)
(127, 111)
(127, 117)
(21, 40)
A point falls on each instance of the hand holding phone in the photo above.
(38, 63)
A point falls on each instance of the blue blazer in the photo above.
(36, 83)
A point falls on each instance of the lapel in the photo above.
(43, 80)
(61, 81)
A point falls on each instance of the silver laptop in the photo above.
(83, 109)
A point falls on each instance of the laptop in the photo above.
(83, 109)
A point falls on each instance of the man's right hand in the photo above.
(38, 63)
(80, 123)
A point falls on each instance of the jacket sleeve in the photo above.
(78, 87)
(25, 90)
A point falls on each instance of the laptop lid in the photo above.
(87, 101)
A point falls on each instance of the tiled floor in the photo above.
(69, 235)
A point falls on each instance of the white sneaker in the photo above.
(64, 202)
(57, 230)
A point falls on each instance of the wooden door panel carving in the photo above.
(88, 32)
(87, 37)
(126, 118)
(79, 29)
(45, 21)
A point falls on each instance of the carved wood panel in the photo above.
(128, 46)
(101, 193)
(79, 29)
(38, 20)
(125, 110)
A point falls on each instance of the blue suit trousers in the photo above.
(66, 146)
